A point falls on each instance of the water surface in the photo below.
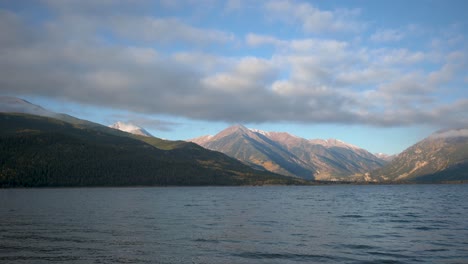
(317, 224)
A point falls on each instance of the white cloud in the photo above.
(456, 62)
(205, 63)
(296, 88)
(305, 45)
(370, 75)
(313, 19)
(451, 133)
(387, 35)
(401, 56)
(168, 30)
(259, 40)
(247, 74)
(410, 83)
(303, 80)
(394, 57)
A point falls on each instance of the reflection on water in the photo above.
(348, 224)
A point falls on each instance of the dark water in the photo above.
(325, 224)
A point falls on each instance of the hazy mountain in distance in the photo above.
(286, 154)
(10, 104)
(334, 158)
(131, 128)
(443, 156)
(385, 157)
(16, 105)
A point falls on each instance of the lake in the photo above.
(279, 224)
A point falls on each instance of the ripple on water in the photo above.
(346, 224)
(351, 216)
(289, 256)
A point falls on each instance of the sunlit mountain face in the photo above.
(287, 154)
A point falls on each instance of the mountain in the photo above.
(334, 159)
(131, 128)
(286, 154)
(385, 157)
(441, 157)
(16, 105)
(257, 150)
(10, 104)
(37, 151)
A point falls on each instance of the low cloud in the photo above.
(146, 122)
(451, 133)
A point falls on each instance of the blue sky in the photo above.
(378, 74)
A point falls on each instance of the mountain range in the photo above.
(442, 157)
(40, 151)
(39, 147)
(287, 154)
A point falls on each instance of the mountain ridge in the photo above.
(442, 156)
(291, 155)
(40, 151)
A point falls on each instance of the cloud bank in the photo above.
(99, 54)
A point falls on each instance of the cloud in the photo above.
(205, 63)
(145, 122)
(387, 35)
(399, 56)
(248, 73)
(258, 40)
(233, 5)
(130, 21)
(304, 80)
(451, 133)
(365, 76)
(95, 8)
(456, 62)
(150, 29)
(312, 19)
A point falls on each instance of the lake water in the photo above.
(315, 224)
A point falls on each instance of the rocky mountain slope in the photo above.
(286, 154)
(443, 156)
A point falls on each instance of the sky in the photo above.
(381, 75)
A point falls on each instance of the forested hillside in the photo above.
(42, 151)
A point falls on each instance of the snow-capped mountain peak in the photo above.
(265, 133)
(131, 128)
(331, 142)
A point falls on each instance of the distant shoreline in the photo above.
(320, 183)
